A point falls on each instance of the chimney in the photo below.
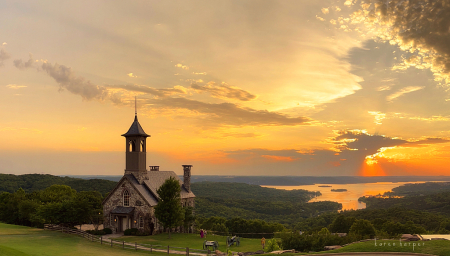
(154, 168)
(187, 177)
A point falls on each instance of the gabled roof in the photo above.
(145, 193)
(157, 178)
(135, 129)
(148, 190)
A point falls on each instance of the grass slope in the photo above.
(193, 241)
(19, 240)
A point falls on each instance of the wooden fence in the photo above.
(125, 245)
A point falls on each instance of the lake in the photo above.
(349, 198)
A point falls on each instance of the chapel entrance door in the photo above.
(125, 223)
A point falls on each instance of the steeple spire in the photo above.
(135, 106)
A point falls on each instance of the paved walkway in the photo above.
(377, 254)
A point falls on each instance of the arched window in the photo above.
(126, 198)
(132, 146)
(142, 146)
(141, 221)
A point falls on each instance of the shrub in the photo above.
(107, 231)
(272, 245)
(131, 232)
(96, 232)
(312, 242)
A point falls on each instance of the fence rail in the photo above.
(126, 245)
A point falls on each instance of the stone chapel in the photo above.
(131, 203)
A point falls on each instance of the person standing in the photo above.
(201, 233)
(263, 242)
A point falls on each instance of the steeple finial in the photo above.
(135, 106)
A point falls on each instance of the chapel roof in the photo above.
(143, 190)
(135, 129)
(157, 178)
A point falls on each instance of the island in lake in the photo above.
(324, 186)
(339, 190)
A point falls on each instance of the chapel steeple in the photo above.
(136, 151)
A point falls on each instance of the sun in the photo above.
(371, 167)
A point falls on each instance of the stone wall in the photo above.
(141, 208)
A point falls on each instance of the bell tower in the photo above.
(136, 151)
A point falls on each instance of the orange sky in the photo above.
(239, 88)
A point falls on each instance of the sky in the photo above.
(248, 87)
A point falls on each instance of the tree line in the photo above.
(56, 204)
(34, 182)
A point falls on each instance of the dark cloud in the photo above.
(420, 26)
(20, 64)
(224, 91)
(229, 113)
(353, 147)
(66, 79)
(425, 142)
(146, 89)
(386, 91)
(356, 140)
(3, 56)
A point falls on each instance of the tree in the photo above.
(341, 224)
(189, 217)
(90, 204)
(169, 210)
(362, 229)
(324, 231)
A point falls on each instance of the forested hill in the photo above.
(418, 189)
(231, 190)
(231, 200)
(430, 196)
(34, 182)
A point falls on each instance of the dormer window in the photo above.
(126, 198)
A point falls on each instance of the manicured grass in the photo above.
(18, 241)
(193, 241)
(435, 247)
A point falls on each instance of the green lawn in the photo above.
(193, 241)
(18, 241)
(435, 247)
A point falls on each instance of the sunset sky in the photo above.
(245, 87)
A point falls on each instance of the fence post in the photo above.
(101, 240)
(135, 246)
(151, 248)
(167, 249)
(111, 241)
(209, 251)
(187, 251)
(123, 244)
